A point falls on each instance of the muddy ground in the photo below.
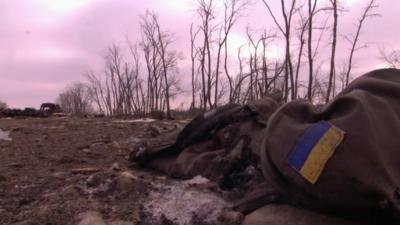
(58, 171)
(75, 171)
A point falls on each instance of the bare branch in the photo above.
(366, 14)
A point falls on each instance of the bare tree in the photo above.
(119, 74)
(319, 89)
(311, 12)
(212, 48)
(236, 92)
(3, 105)
(285, 29)
(342, 76)
(193, 55)
(257, 77)
(302, 30)
(96, 92)
(124, 88)
(206, 10)
(118, 90)
(75, 99)
(232, 12)
(152, 60)
(392, 58)
(160, 61)
(138, 96)
(164, 41)
(333, 50)
(113, 75)
(366, 14)
(253, 64)
(266, 81)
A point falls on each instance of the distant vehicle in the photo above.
(11, 112)
(48, 109)
(30, 112)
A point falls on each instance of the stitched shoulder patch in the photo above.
(314, 149)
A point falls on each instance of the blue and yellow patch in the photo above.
(314, 149)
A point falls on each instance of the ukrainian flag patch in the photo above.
(314, 149)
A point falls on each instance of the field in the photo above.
(75, 171)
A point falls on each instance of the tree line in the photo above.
(143, 77)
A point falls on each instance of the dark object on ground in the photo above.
(158, 115)
(221, 145)
(47, 109)
(99, 115)
(60, 114)
(30, 112)
(18, 113)
(11, 113)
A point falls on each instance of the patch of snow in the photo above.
(133, 140)
(5, 135)
(197, 180)
(144, 120)
(182, 205)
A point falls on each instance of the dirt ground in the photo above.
(75, 171)
(55, 171)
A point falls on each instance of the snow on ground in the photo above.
(144, 120)
(5, 135)
(181, 203)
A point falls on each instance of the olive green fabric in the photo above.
(363, 175)
(214, 144)
(230, 140)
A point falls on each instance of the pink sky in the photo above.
(47, 44)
